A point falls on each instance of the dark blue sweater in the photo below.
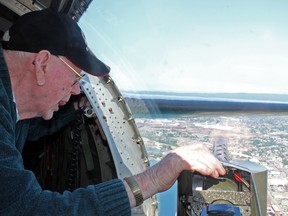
(20, 193)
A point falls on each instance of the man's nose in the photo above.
(76, 89)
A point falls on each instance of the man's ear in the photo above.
(41, 65)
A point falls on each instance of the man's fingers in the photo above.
(199, 158)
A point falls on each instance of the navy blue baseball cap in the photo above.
(57, 33)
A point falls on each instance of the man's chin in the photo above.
(48, 115)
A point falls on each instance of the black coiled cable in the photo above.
(76, 141)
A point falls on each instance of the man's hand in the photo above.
(161, 176)
(196, 157)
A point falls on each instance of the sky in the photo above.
(192, 45)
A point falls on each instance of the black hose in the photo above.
(76, 141)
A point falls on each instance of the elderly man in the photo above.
(41, 58)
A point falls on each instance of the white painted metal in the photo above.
(126, 145)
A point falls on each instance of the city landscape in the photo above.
(259, 138)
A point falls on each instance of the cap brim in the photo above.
(89, 63)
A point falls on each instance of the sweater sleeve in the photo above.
(20, 193)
